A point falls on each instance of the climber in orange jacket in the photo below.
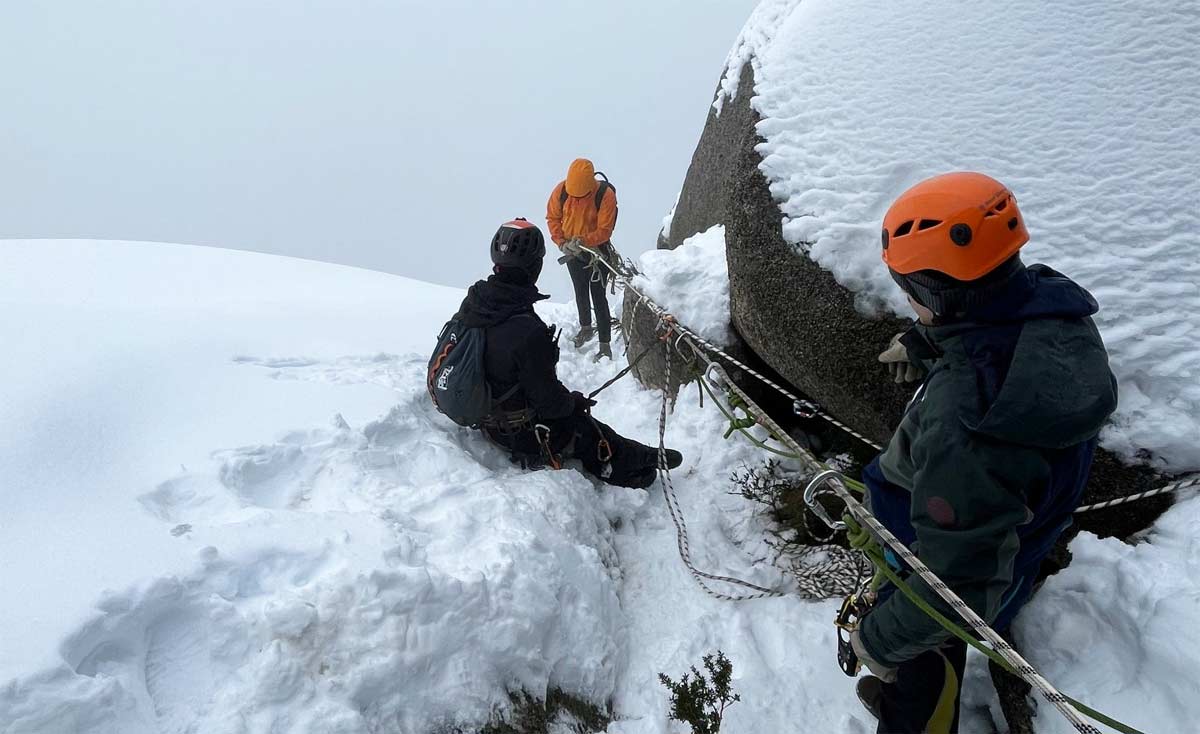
(582, 213)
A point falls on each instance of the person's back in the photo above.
(520, 353)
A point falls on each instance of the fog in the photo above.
(387, 135)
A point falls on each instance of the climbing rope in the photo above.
(676, 512)
(1179, 485)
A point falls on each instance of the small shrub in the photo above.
(700, 701)
(782, 494)
(560, 712)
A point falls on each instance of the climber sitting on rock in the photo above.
(495, 368)
(992, 455)
(581, 214)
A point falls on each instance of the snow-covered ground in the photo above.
(230, 507)
(1088, 109)
(193, 541)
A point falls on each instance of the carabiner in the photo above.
(805, 409)
(715, 375)
(542, 432)
(812, 492)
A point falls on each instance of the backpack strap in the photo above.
(601, 190)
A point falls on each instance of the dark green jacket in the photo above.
(992, 455)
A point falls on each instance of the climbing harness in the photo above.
(509, 422)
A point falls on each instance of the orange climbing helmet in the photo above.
(963, 225)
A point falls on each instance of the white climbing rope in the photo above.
(681, 534)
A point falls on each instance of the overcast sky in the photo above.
(389, 135)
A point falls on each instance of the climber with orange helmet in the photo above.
(992, 454)
(581, 214)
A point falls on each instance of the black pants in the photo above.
(589, 293)
(625, 462)
(926, 693)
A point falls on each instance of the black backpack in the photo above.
(457, 378)
(604, 186)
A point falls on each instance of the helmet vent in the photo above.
(928, 224)
(903, 229)
(1012, 223)
(995, 211)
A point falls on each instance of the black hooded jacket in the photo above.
(520, 349)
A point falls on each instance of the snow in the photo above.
(694, 279)
(334, 556)
(1122, 623)
(118, 369)
(665, 231)
(1088, 110)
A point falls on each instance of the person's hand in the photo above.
(885, 673)
(895, 358)
(573, 246)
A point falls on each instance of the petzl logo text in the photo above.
(444, 378)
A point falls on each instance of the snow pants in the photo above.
(604, 453)
(925, 697)
(589, 294)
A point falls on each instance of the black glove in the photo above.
(582, 403)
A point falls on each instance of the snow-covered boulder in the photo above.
(827, 110)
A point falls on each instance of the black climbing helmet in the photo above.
(519, 244)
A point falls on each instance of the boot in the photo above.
(584, 336)
(674, 458)
(646, 477)
(870, 693)
(605, 351)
